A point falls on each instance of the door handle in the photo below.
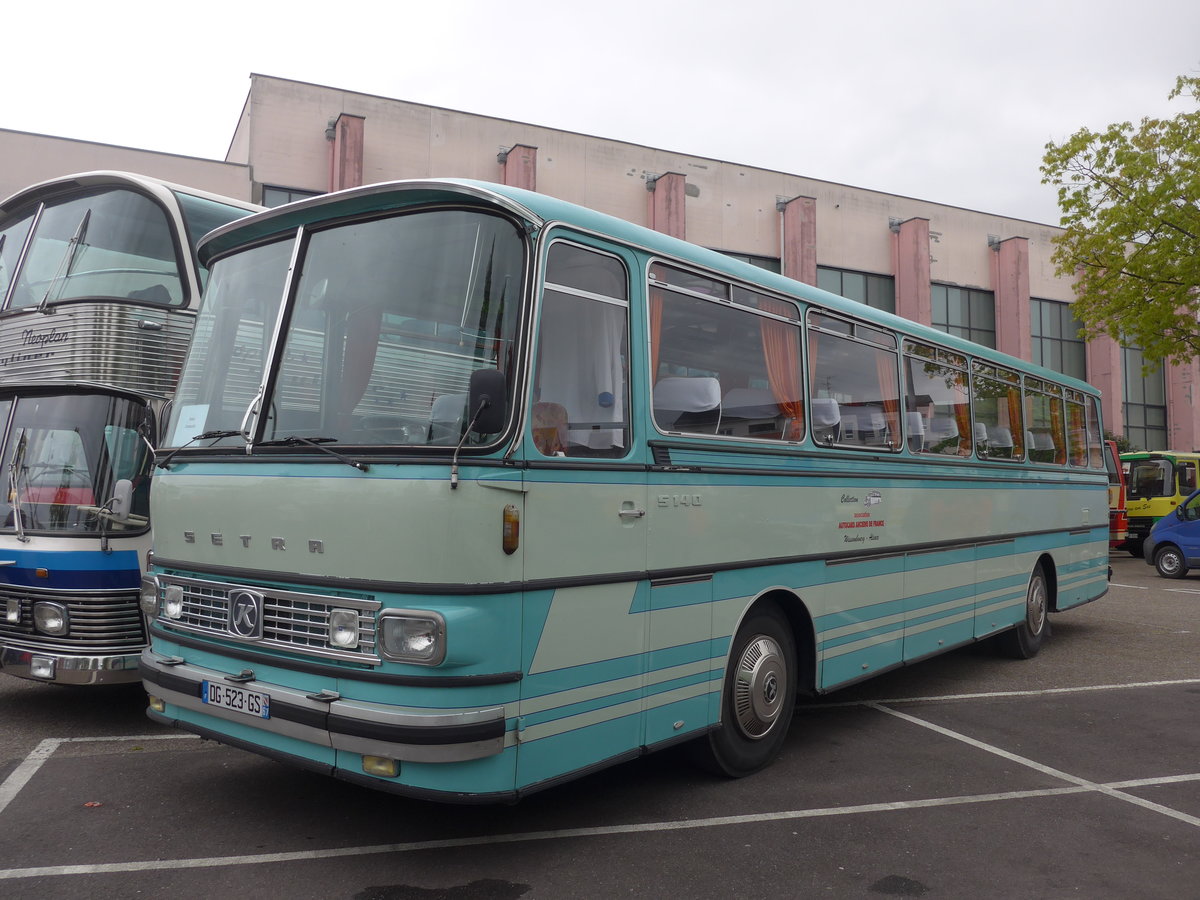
(631, 513)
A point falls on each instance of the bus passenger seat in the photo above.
(445, 418)
(915, 423)
(550, 428)
(755, 412)
(1000, 442)
(688, 403)
(826, 420)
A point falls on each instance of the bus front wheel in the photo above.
(1024, 641)
(757, 699)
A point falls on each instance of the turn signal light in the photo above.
(511, 530)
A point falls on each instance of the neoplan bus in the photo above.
(99, 286)
(470, 491)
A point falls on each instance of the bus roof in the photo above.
(538, 210)
(154, 186)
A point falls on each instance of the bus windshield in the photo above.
(118, 243)
(1150, 478)
(63, 454)
(385, 322)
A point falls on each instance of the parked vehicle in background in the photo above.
(1173, 545)
(1156, 482)
(1118, 516)
(99, 286)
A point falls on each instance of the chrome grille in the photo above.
(100, 622)
(292, 621)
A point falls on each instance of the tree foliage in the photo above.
(1130, 202)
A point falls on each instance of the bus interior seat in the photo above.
(684, 403)
(1000, 442)
(943, 435)
(826, 420)
(445, 418)
(755, 412)
(981, 434)
(549, 426)
(915, 423)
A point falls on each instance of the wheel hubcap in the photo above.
(1035, 614)
(759, 687)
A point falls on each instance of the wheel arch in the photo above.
(1050, 573)
(800, 622)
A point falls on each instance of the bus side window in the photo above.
(581, 381)
(1187, 478)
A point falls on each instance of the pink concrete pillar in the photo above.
(666, 206)
(910, 262)
(1183, 393)
(798, 252)
(1010, 287)
(518, 167)
(1104, 372)
(346, 152)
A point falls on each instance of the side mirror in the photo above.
(486, 404)
(122, 500)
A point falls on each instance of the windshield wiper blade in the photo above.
(318, 442)
(68, 259)
(205, 436)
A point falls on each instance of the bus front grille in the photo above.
(98, 622)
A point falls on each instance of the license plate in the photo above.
(230, 696)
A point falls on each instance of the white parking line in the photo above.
(1136, 587)
(43, 751)
(1075, 785)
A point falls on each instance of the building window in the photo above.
(964, 312)
(1057, 343)
(769, 263)
(277, 196)
(876, 291)
(1145, 402)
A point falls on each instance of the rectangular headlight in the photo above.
(148, 596)
(51, 618)
(413, 637)
(343, 628)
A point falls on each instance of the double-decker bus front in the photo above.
(333, 581)
(97, 283)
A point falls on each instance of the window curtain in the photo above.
(1077, 432)
(962, 416)
(885, 368)
(656, 315)
(1015, 425)
(780, 347)
(1058, 431)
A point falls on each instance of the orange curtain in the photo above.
(1058, 431)
(962, 418)
(885, 367)
(1015, 423)
(656, 314)
(779, 341)
(1077, 432)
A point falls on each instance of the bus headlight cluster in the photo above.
(173, 601)
(51, 618)
(413, 637)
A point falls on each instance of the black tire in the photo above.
(1134, 548)
(757, 699)
(1170, 561)
(1024, 641)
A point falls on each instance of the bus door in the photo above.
(583, 529)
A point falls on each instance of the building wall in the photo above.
(30, 158)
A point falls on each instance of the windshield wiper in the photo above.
(319, 443)
(68, 259)
(14, 486)
(206, 436)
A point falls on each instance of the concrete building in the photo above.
(982, 276)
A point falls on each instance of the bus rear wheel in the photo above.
(757, 700)
(1024, 641)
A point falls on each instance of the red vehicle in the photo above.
(1118, 520)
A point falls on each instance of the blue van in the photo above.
(1173, 544)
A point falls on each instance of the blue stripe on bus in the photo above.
(72, 569)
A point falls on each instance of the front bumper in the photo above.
(75, 669)
(326, 720)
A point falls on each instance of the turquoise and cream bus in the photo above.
(99, 286)
(468, 491)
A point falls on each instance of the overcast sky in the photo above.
(945, 100)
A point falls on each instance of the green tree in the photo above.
(1129, 198)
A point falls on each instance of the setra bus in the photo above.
(468, 491)
(98, 292)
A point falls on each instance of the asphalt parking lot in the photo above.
(1076, 774)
